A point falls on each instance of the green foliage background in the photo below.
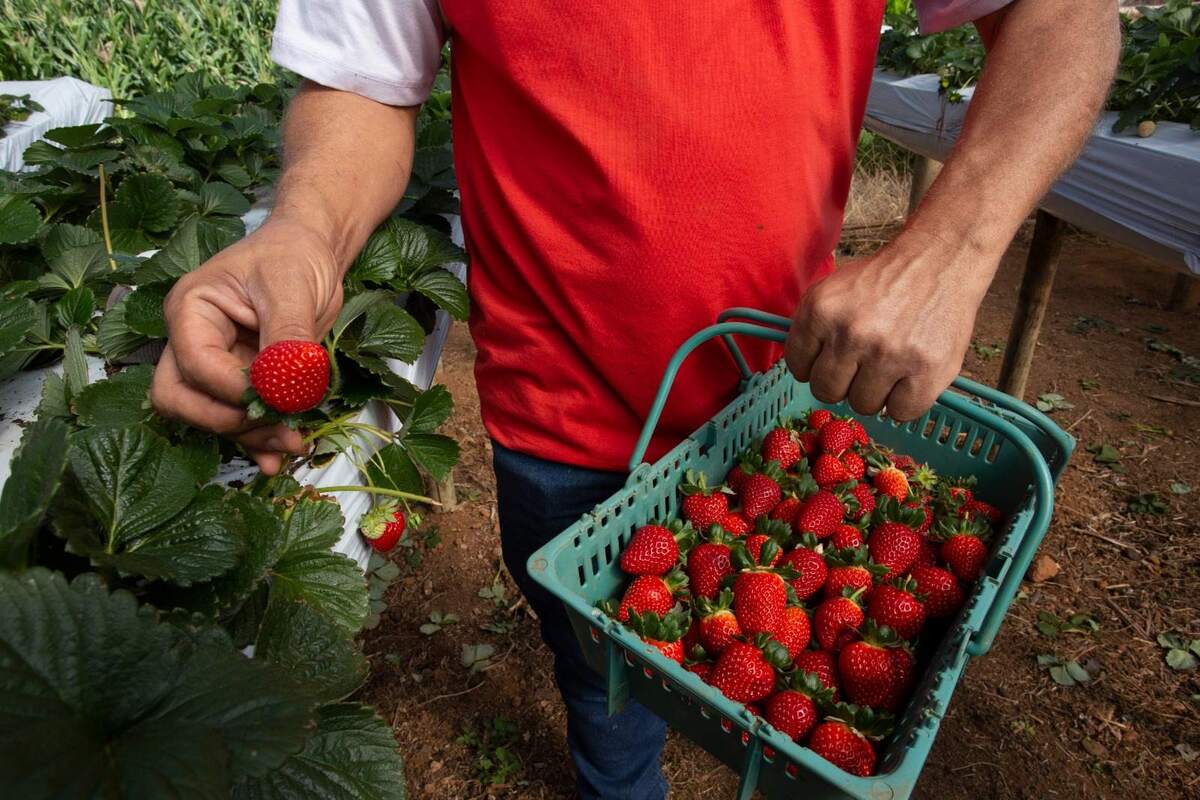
(136, 46)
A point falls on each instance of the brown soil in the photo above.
(1011, 731)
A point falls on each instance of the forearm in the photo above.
(1045, 81)
(346, 164)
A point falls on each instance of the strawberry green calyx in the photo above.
(807, 684)
(778, 530)
(947, 527)
(926, 478)
(888, 509)
(878, 635)
(383, 526)
(855, 557)
(653, 627)
(775, 653)
(722, 602)
(695, 482)
(906, 583)
(869, 723)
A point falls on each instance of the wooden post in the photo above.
(1040, 267)
(443, 491)
(925, 171)
(1185, 294)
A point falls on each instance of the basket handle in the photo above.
(668, 379)
(754, 315)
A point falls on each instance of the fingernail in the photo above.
(275, 445)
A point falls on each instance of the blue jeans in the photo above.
(618, 756)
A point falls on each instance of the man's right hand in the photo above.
(281, 282)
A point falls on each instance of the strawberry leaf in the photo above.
(117, 402)
(391, 332)
(318, 653)
(431, 408)
(220, 199)
(432, 452)
(392, 468)
(194, 242)
(17, 318)
(19, 219)
(445, 289)
(33, 479)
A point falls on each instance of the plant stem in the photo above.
(112, 264)
(416, 498)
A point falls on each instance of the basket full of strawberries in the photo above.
(798, 590)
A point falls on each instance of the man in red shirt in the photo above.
(627, 170)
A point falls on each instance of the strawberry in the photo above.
(894, 542)
(897, 606)
(891, 482)
(708, 563)
(796, 630)
(818, 417)
(943, 595)
(837, 620)
(291, 376)
(904, 672)
(854, 465)
(736, 524)
(716, 625)
(793, 709)
(864, 501)
(664, 632)
(979, 508)
(851, 569)
(383, 526)
(928, 557)
(759, 593)
(745, 672)
(701, 505)
(963, 548)
(821, 663)
(828, 471)
(820, 514)
(809, 443)
(755, 543)
(702, 668)
(653, 549)
(748, 462)
(867, 669)
(780, 444)
(786, 510)
(860, 433)
(905, 464)
(809, 564)
(836, 436)
(760, 492)
(844, 738)
(846, 536)
(654, 593)
(926, 515)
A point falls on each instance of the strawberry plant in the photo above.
(1159, 73)
(16, 108)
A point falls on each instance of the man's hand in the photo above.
(889, 330)
(281, 282)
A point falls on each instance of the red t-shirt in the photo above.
(628, 169)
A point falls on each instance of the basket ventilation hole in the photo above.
(944, 434)
(726, 725)
(647, 672)
(666, 687)
(595, 634)
(791, 771)
(993, 453)
(927, 431)
(960, 440)
(976, 446)
(604, 521)
(769, 755)
(608, 555)
(595, 564)
(582, 576)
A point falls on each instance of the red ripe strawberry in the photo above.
(748, 462)
(664, 632)
(928, 557)
(716, 626)
(653, 593)
(963, 548)
(759, 600)
(943, 595)
(904, 463)
(809, 443)
(653, 549)
(844, 739)
(786, 510)
(708, 563)
(828, 472)
(867, 669)
(796, 631)
(846, 536)
(891, 482)
(897, 606)
(793, 709)
(864, 499)
(754, 544)
(979, 508)
(818, 417)
(837, 620)
(291, 376)
(760, 492)
(854, 465)
(383, 526)
(894, 545)
(701, 505)
(821, 663)
(904, 671)
(780, 445)
(820, 514)
(701, 668)
(927, 513)
(745, 672)
(850, 569)
(756, 710)
(810, 566)
(836, 436)
(691, 639)
(736, 524)
(860, 433)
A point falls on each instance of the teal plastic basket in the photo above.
(1016, 452)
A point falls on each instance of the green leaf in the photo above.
(352, 756)
(19, 219)
(76, 307)
(444, 289)
(114, 338)
(83, 161)
(136, 707)
(134, 481)
(193, 243)
(1180, 488)
(36, 469)
(202, 452)
(54, 402)
(353, 308)
(1061, 676)
(221, 198)
(17, 318)
(420, 248)
(74, 253)
(151, 201)
(1077, 672)
(1181, 660)
(144, 311)
(378, 259)
(235, 174)
(391, 468)
(117, 402)
(1104, 454)
(391, 332)
(74, 363)
(315, 651)
(434, 453)
(431, 408)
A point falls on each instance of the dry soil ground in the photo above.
(1012, 732)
